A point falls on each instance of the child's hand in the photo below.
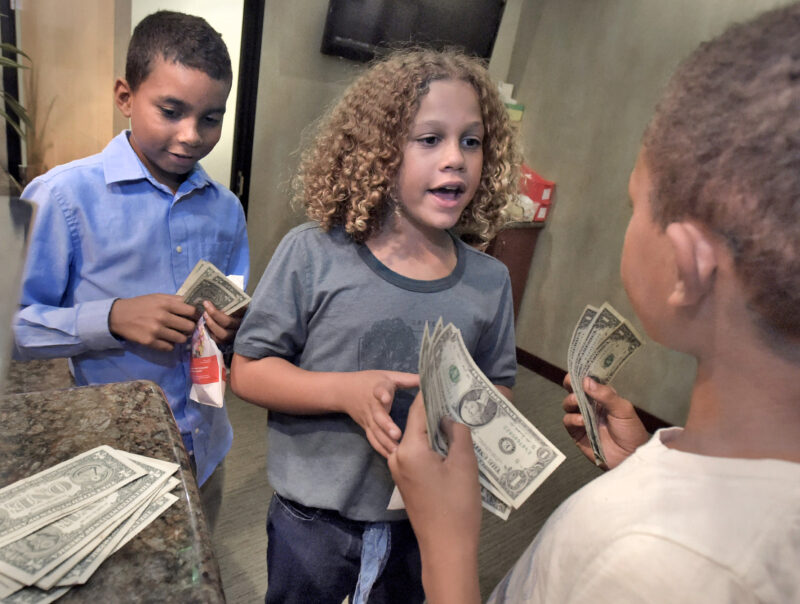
(621, 431)
(158, 321)
(442, 498)
(370, 403)
(222, 327)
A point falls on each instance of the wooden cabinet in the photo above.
(514, 247)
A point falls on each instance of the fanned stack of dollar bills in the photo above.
(602, 341)
(514, 458)
(206, 282)
(58, 526)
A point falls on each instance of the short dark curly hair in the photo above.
(346, 177)
(723, 149)
(179, 38)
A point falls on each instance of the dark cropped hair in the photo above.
(347, 176)
(723, 149)
(179, 38)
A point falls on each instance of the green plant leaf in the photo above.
(4, 62)
(18, 110)
(14, 49)
(11, 123)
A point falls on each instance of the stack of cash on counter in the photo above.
(514, 458)
(58, 526)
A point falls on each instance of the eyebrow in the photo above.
(477, 124)
(171, 100)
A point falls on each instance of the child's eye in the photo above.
(471, 142)
(212, 120)
(428, 141)
(168, 112)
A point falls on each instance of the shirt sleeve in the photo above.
(46, 326)
(276, 322)
(648, 568)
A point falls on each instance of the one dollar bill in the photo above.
(514, 457)
(31, 503)
(602, 342)
(206, 282)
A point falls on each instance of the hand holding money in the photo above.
(601, 343)
(514, 457)
(206, 282)
(158, 321)
(621, 432)
(443, 504)
(437, 490)
(221, 326)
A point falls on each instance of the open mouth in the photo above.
(451, 192)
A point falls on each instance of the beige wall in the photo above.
(71, 44)
(296, 84)
(589, 74)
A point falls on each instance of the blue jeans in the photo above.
(314, 556)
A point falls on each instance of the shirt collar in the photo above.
(120, 164)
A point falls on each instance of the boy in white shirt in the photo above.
(711, 263)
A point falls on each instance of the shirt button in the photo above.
(179, 249)
(197, 430)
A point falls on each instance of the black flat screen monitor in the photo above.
(362, 29)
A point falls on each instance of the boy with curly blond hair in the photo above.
(419, 145)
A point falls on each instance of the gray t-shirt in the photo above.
(325, 303)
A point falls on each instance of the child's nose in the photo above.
(453, 156)
(189, 134)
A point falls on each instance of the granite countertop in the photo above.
(171, 560)
(36, 376)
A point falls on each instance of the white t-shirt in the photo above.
(668, 526)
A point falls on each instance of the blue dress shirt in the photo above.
(106, 229)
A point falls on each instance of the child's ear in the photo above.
(695, 260)
(123, 96)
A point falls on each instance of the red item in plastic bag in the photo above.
(207, 368)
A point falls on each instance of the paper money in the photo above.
(514, 458)
(36, 501)
(69, 549)
(206, 282)
(34, 595)
(8, 586)
(491, 501)
(98, 547)
(602, 341)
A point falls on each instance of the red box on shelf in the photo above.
(538, 190)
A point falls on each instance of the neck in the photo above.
(416, 254)
(746, 404)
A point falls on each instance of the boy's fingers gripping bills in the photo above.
(207, 367)
(602, 341)
(514, 458)
(206, 282)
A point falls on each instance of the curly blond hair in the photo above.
(347, 176)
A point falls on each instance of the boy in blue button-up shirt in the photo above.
(118, 232)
